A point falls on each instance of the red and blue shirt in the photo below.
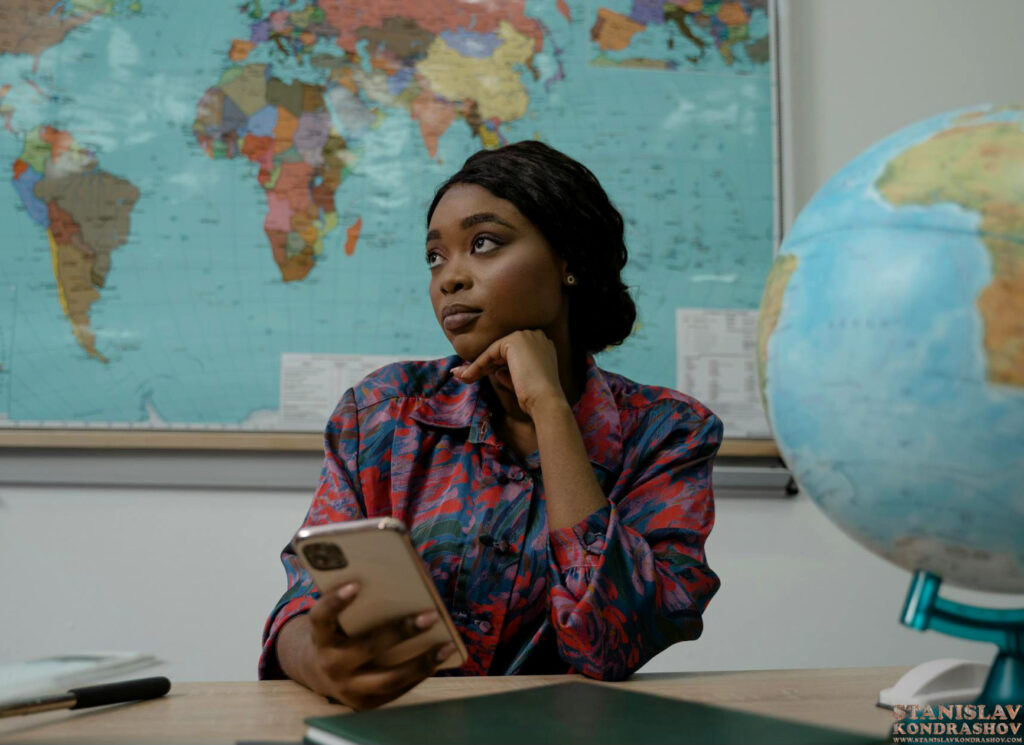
(601, 597)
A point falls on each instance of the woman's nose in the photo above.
(455, 276)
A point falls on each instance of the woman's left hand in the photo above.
(525, 362)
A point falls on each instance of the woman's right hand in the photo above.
(343, 667)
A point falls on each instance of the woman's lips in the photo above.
(461, 320)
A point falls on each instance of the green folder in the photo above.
(567, 713)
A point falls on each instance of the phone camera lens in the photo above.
(324, 556)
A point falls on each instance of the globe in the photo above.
(891, 348)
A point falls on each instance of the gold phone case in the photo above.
(394, 582)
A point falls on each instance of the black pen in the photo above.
(82, 698)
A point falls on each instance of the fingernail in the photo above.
(347, 591)
(426, 620)
(445, 652)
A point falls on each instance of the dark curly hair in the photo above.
(566, 203)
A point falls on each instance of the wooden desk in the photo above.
(269, 711)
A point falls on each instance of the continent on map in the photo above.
(86, 213)
(286, 130)
(771, 308)
(978, 168)
(438, 62)
(703, 23)
(490, 81)
(33, 26)
(613, 30)
(353, 19)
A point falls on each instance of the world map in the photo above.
(200, 191)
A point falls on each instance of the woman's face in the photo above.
(486, 256)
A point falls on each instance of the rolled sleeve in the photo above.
(632, 578)
(582, 544)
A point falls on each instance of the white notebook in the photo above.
(61, 672)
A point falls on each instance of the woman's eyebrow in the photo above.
(468, 222)
(480, 217)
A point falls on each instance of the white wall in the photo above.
(857, 71)
(186, 575)
(190, 574)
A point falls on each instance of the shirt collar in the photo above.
(598, 418)
(452, 404)
(458, 405)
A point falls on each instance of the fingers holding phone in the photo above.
(355, 669)
(374, 687)
(380, 626)
(374, 585)
(325, 629)
(376, 644)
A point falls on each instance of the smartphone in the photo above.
(394, 582)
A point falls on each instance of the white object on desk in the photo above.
(61, 672)
(945, 681)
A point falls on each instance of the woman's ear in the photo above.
(563, 270)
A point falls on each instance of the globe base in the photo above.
(936, 682)
(1005, 684)
(924, 610)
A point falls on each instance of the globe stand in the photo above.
(924, 610)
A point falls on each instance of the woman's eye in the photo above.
(484, 243)
(433, 258)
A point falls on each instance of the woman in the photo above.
(562, 510)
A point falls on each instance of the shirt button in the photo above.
(484, 626)
(502, 479)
